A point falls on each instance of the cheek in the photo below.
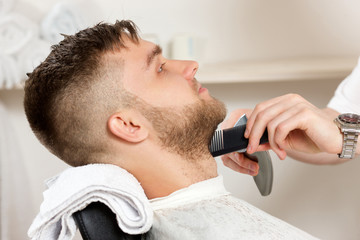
(182, 96)
(168, 91)
(176, 95)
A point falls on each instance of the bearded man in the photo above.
(105, 95)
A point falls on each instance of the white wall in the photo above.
(237, 29)
(321, 200)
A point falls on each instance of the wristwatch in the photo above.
(349, 125)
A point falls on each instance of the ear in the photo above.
(126, 127)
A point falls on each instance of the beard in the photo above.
(186, 131)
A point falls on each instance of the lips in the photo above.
(197, 86)
(201, 89)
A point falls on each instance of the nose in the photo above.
(187, 69)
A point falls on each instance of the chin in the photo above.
(206, 96)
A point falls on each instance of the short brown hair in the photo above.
(70, 91)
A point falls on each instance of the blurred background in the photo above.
(248, 51)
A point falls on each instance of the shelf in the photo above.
(273, 70)
(19, 86)
(277, 70)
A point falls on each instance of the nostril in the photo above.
(194, 71)
(190, 69)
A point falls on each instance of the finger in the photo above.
(295, 122)
(263, 147)
(233, 166)
(259, 108)
(281, 103)
(271, 113)
(288, 115)
(261, 123)
(246, 162)
(239, 163)
(292, 133)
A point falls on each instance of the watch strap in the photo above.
(349, 144)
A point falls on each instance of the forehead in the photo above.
(132, 57)
(137, 51)
(130, 63)
(132, 49)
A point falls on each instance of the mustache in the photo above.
(195, 85)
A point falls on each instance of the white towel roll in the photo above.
(9, 72)
(6, 6)
(32, 55)
(75, 188)
(64, 18)
(15, 32)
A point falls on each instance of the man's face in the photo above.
(159, 81)
(182, 113)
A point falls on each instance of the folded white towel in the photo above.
(6, 6)
(77, 187)
(15, 32)
(9, 71)
(63, 18)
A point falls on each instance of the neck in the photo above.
(161, 173)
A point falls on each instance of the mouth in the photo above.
(198, 87)
(201, 89)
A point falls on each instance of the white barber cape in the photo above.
(347, 98)
(205, 210)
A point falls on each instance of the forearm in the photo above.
(318, 159)
(322, 158)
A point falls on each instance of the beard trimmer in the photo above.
(232, 139)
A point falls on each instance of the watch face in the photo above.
(350, 118)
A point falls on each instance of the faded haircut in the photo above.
(70, 95)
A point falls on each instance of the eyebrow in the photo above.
(157, 50)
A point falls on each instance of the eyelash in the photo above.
(161, 68)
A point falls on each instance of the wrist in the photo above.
(330, 113)
(349, 125)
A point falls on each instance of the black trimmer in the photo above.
(232, 139)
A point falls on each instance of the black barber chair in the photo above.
(98, 222)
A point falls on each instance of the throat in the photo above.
(165, 177)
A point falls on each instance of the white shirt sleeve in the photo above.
(347, 95)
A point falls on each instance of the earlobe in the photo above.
(126, 128)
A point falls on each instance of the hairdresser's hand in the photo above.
(293, 124)
(238, 161)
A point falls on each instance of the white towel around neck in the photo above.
(75, 188)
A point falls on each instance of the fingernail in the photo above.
(246, 133)
(253, 167)
(252, 173)
(237, 156)
(249, 148)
